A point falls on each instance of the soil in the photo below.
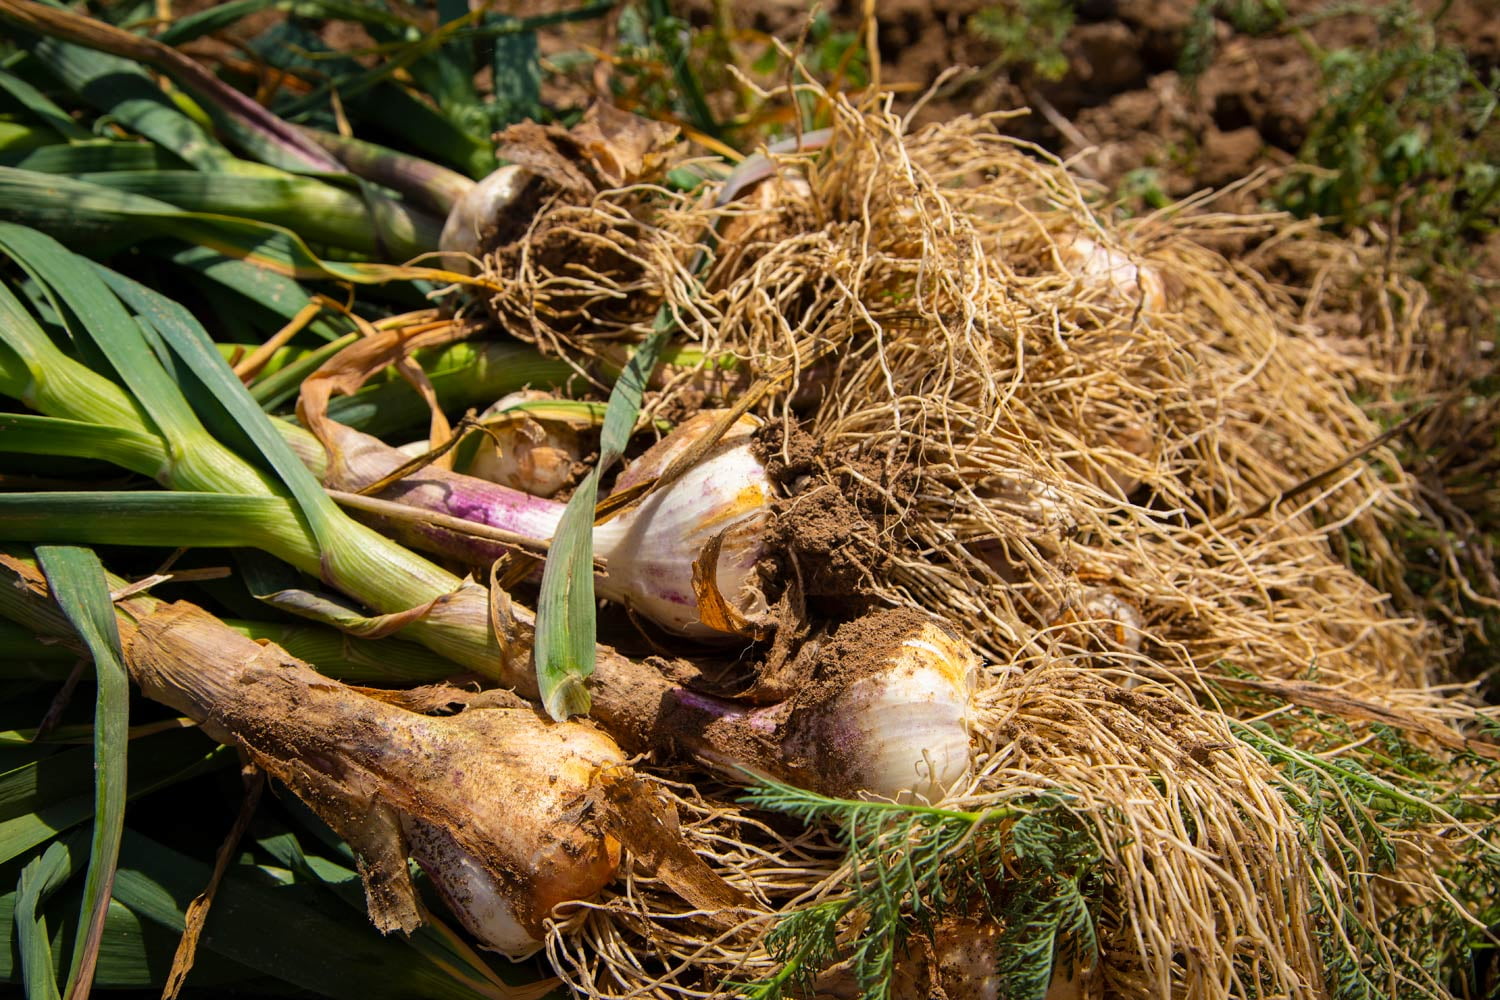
(1126, 93)
(826, 519)
(860, 648)
(1154, 95)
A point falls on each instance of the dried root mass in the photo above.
(1135, 475)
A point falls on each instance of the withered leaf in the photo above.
(608, 148)
(647, 826)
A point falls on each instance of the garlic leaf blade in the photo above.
(566, 624)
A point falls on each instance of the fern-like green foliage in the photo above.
(1371, 794)
(1029, 865)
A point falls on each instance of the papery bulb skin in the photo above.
(889, 713)
(524, 453)
(506, 830)
(1125, 281)
(965, 953)
(1041, 516)
(649, 551)
(470, 893)
(960, 959)
(758, 218)
(479, 211)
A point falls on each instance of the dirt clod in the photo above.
(821, 523)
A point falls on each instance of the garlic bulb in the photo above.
(1098, 613)
(496, 804)
(892, 713)
(537, 816)
(883, 708)
(961, 962)
(477, 211)
(1113, 273)
(1122, 620)
(761, 215)
(649, 551)
(1040, 514)
(523, 452)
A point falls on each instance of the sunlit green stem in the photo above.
(360, 562)
(434, 187)
(321, 213)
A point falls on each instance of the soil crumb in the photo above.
(864, 646)
(828, 530)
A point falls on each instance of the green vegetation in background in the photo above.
(665, 67)
(1406, 143)
(1405, 136)
(1248, 17)
(1028, 34)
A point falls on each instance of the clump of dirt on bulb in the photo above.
(577, 254)
(856, 649)
(828, 523)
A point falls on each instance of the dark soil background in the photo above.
(1161, 98)
(1130, 91)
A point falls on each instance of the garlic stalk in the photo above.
(498, 805)
(634, 701)
(648, 551)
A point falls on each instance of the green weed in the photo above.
(1405, 139)
(909, 866)
(1028, 33)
